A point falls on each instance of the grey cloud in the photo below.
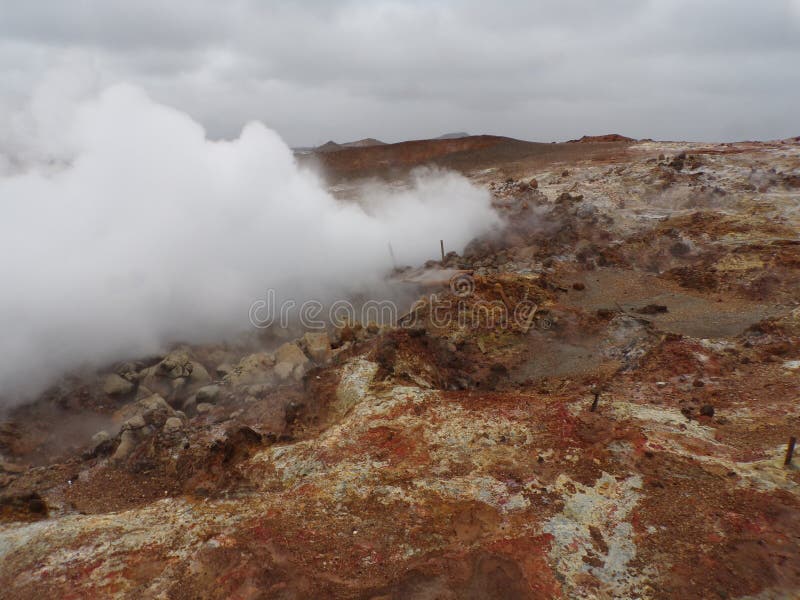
(402, 69)
(116, 25)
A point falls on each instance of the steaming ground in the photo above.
(145, 232)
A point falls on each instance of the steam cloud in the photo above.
(139, 231)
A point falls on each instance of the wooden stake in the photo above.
(596, 400)
(441, 243)
(499, 289)
(790, 451)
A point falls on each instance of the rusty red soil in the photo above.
(604, 414)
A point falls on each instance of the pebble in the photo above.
(172, 425)
(707, 410)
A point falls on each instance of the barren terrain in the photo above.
(597, 405)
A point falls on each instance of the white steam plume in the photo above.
(150, 233)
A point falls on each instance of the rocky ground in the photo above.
(598, 406)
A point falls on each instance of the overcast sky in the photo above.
(541, 70)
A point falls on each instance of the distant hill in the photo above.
(609, 137)
(365, 143)
(453, 136)
(330, 146)
(465, 154)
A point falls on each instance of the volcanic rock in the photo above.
(152, 410)
(318, 346)
(209, 393)
(114, 385)
(254, 368)
(172, 425)
(290, 361)
(204, 407)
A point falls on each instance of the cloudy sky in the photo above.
(402, 69)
